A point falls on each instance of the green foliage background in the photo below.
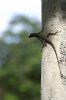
(20, 60)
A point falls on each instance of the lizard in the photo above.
(45, 39)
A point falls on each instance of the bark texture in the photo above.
(54, 19)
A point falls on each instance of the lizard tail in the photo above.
(58, 61)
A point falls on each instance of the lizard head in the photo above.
(34, 35)
(37, 35)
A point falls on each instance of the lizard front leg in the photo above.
(49, 34)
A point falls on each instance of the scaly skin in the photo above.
(45, 39)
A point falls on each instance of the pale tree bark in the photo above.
(53, 19)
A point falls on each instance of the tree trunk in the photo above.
(54, 19)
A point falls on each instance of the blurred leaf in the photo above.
(20, 58)
(10, 96)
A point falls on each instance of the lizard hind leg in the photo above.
(44, 45)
